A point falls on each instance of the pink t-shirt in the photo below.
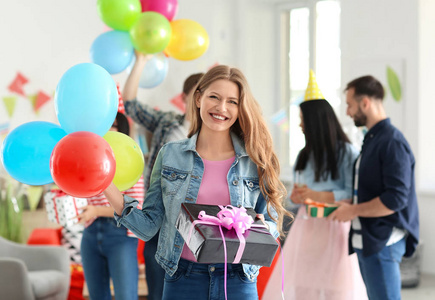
(213, 190)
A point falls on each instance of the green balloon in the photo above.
(150, 33)
(119, 14)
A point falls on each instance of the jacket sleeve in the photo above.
(143, 114)
(145, 223)
(261, 208)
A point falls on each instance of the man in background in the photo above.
(384, 213)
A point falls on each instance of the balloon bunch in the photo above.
(148, 27)
(81, 156)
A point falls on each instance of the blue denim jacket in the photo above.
(175, 179)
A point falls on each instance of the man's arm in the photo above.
(370, 209)
(131, 85)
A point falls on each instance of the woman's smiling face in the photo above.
(219, 105)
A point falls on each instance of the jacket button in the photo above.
(235, 182)
(251, 185)
(173, 175)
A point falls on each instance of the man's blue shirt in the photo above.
(387, 171)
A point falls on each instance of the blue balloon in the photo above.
(154, 72)
(26, 151)
(113, 50)
(86, 99)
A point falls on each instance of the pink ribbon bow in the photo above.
(229, 217)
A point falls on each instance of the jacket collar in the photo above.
(238, 144)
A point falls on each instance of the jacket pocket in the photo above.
(172, 180)
(251, 189)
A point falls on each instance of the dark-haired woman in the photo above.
(108, 251)
(317, 264)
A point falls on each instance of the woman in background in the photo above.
(110, 252)
(316, 260)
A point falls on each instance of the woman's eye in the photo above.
(234, 102)
(214, 97)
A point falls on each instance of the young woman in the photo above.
(110, 252)
(317, 263)
(228, 159)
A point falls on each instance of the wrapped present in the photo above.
(62, 208)
(217, 234)
(319, 209)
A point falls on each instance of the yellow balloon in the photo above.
(129, 159)
(189, 40)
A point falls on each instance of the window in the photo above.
(310, 39)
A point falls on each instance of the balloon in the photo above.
(119, 14)
(168, 8)
(26, 151)
(86, 99)
(150, 33)
(82, 164)
(113, 51)
(154, 72)
(129, 159)
(189, 40)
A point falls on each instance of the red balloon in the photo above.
(82, 164)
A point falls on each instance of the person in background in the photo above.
(228, 159)
(164, 127)
(108, 251)
(316, 261)
(384, 211)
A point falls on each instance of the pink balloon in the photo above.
(168, 8)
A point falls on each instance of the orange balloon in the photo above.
(189, 40)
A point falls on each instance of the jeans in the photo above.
(206, 281)
(107, 252)
(381, 271)
(155, 275)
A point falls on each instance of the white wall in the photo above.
(42, 39)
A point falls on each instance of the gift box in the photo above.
(206, 243)
(62, 208)
(319, 209)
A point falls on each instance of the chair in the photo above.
(33, 272)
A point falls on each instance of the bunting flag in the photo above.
(34, 194)
(40, 99)
(32, 99)
(280, 119)
(4, 128)
(178, 102)
(213, 65)
(17, 84)
(9, 102)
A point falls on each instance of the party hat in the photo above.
(313, 92)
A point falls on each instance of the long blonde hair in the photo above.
(251, 128)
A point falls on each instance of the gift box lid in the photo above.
(206, 241)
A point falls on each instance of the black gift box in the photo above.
(206, 241)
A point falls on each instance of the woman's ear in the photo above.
(197, 97)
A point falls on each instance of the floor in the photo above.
(424, 291)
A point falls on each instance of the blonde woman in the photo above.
(228, 159)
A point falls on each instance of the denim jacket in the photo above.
(175, 179)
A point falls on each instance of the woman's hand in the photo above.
(297, 195)
(89, 212)
(261, 217)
